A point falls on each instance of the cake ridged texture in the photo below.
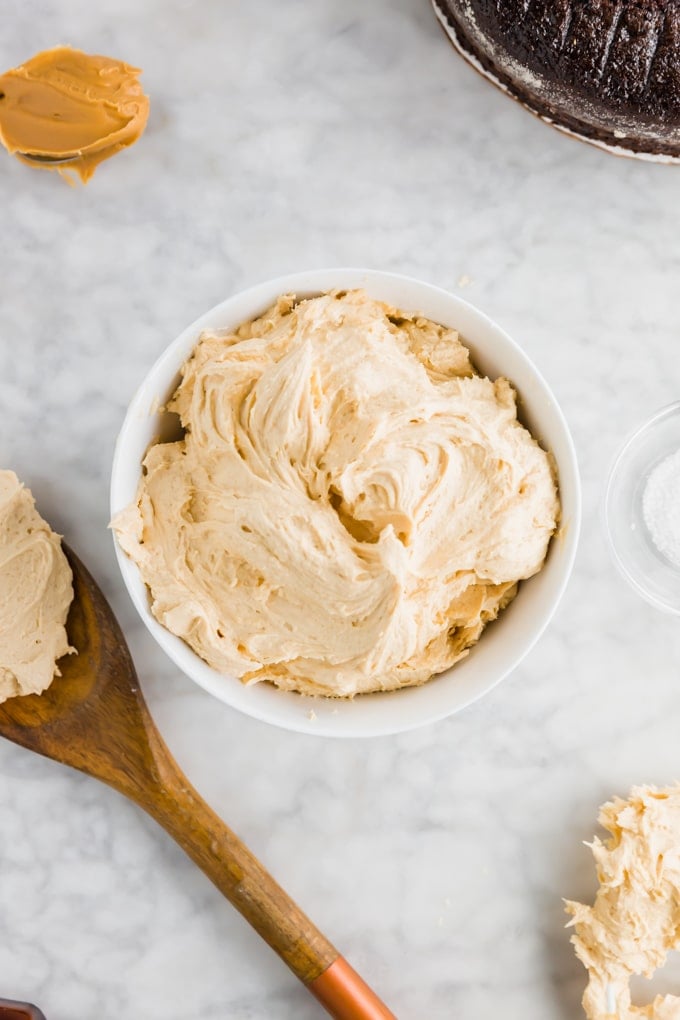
(605, 70)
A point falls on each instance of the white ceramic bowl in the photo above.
(505, 642)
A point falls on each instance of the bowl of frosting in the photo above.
(642, 509)
(345, 502)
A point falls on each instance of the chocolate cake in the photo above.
(607, 71)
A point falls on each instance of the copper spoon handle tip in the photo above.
(346, 996)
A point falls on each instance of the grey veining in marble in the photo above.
(285, 136)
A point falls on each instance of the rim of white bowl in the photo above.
(229, 690)
(620, 564)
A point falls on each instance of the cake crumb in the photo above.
(464, 280)
(311, 715)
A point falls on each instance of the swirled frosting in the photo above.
(635, 920)
(350, 503)
(36, 592)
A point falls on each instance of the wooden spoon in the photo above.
(94, 719)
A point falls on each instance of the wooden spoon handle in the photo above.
(11, 1010)
(168, 797)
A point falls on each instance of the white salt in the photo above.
(661, 507)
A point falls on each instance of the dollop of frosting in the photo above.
(635, 920)
(36, 591)
(68, 111)
(350, 503)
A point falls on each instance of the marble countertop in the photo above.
(284, 137)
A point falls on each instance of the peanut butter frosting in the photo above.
(36, 592)
(67, 111)
(350, 503)
(635, 920)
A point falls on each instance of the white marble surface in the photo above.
(285, 136)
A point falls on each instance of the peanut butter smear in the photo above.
(67, 111)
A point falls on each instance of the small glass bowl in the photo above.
(650, 573)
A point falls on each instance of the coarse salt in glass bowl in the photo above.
(642, 517)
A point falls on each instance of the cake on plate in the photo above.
(606, 71)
